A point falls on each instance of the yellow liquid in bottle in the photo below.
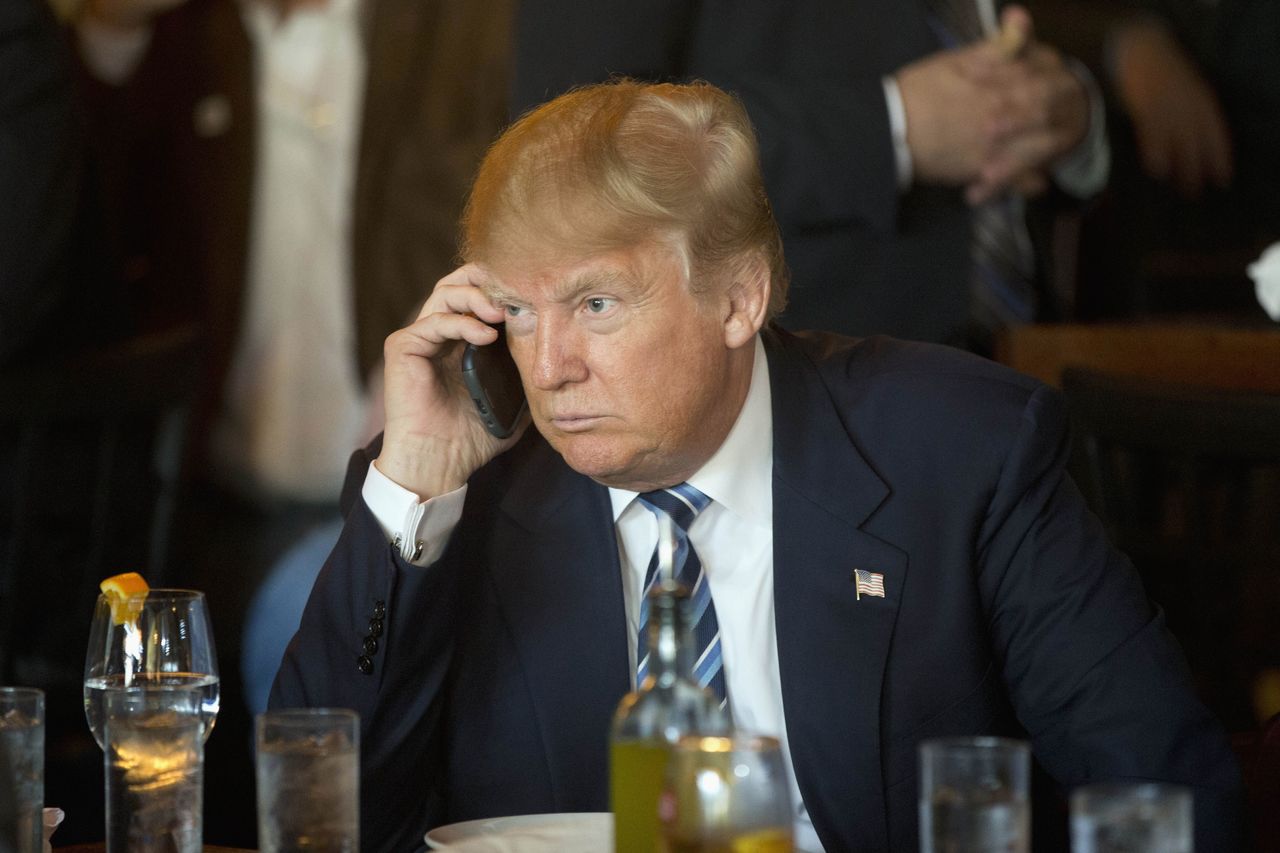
(636, 775)
(751, 841)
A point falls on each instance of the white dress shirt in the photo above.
(293, 404)
(734, 540)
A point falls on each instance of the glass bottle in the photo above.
(651, 720)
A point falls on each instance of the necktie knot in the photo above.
(681, 502)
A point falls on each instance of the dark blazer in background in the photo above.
(41, 184)
(865, 258)
(1006, 612)
(177, 147)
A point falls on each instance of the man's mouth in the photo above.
(575, 422)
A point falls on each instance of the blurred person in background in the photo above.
(289, 173)
(54, 314)
(900, 142)
(1196, 195)
(41, 179)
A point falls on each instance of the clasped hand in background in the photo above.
(995, 114)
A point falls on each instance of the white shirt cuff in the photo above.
(1084, 170)
(898, 131)
(110, 53)
(420, 529)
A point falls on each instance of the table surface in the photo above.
(1208, 354)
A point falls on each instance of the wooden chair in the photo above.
(1187, 481)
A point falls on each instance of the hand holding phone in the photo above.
(433, 441)
(494, 383)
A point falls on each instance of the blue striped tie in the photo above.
(681, 504)
(1002, 288)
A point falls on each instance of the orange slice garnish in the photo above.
(125, 593)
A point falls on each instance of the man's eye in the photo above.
(512, 310)
(599, 304)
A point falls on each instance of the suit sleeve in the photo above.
(395, 683)
(1095, 678)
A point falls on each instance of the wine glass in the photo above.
(155, 639)
(726, 794)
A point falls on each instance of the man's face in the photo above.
(628, 374)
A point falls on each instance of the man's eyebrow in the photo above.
(567, 290)
(570, 289)
(493, 291)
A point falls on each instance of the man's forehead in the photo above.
(564, 278)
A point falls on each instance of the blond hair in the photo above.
(621, 163)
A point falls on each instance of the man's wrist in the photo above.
(418, 529)
(1140, 33)
(425, 468)
(1083, 171)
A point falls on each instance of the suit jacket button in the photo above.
(370, 646)
(375, 628)
(379, 610)
(366, 665)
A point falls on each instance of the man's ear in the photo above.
(747, 301)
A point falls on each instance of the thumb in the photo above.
(1016, 31)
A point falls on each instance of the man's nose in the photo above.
(558, 355)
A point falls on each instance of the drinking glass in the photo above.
(161, 637)
(974, 795)
(1131, 818)
(308, 765)
(154, 761)
(726, 795)
(21, 769)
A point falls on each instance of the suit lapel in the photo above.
(832, 645)
(559, 585)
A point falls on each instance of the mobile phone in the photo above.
(494, 383)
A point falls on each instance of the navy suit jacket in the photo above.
(1006, 612)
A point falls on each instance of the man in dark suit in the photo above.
(878, 134)
(479, 609)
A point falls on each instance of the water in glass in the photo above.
(308, 794)
(974, 795)
(22, 778)
(154, 767)
(955, 822)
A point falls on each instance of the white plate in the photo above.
(593, 829)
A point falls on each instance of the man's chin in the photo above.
(594, 456)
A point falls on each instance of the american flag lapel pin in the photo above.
(868, 583)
